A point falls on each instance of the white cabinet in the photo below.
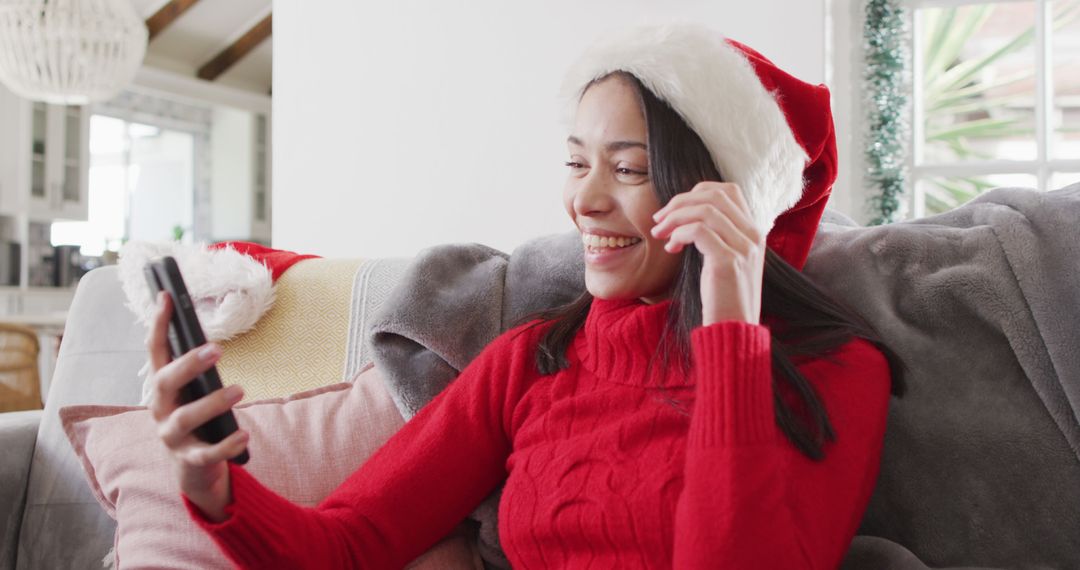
(60, 153)
(44, 176)
(46, 159)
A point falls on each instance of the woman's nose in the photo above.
(593, 194)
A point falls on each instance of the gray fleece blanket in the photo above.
(981, 465)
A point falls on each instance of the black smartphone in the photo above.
(185, 333)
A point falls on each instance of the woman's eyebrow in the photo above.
(611, 146)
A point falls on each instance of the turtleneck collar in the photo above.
(619, 338)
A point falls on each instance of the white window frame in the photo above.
(1042, 166)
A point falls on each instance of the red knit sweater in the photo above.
(601, 469)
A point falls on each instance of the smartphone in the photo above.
(185, 333)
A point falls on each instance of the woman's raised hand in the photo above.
(715, 218)
(200, 467)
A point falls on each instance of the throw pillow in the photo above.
(302, 446)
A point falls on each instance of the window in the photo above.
(141, 186)
(996, 98)
(162, 169)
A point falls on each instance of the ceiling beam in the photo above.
(166, 15)
(235, 52)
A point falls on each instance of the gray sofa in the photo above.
(980, 467)
(52, 519)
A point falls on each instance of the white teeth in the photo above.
(605, 241)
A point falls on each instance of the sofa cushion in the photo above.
(302, 447)
(100, 356)
(18, 430)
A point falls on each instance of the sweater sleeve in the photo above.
(750, 498)
(403, 499)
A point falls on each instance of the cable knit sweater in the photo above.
(601, 469)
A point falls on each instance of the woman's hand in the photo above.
(200, 467)
(715, 218)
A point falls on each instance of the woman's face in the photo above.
(610, 197)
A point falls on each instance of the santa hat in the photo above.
(768, 132)
(230, 282)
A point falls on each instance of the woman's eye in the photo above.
(629, 172)
(573, 165)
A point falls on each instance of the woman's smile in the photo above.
(604, 251)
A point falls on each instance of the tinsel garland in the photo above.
(884, 33)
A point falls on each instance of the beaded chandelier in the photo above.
(69, 51)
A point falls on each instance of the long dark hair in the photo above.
(812, 323)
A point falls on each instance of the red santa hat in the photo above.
(767, 131)
(230, 282)
(276, 260)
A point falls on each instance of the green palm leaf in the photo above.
(961, 74)
(946, 48)
(978, 128)
(964, 94)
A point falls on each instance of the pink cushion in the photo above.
(302, 447)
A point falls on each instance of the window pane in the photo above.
(106, 138)
(978, 82)
(141, 186)
(1066, 75)
(1063, 179)
(941, 194)
(39, 129)
(162, 182)
(37, 177)
(72, 133)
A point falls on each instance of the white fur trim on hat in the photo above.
(713, 87)
(230, 290)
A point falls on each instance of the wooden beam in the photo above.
(235, 52)
(166, 15)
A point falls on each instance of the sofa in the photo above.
(951, 491)
(313, 335)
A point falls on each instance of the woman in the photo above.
(655, 422)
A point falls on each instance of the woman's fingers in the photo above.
(708, 214)
(169, 379)
(176, 428)
(201, 464)
(706, 240)
(726, 198)
(157, 342)
(202, 454)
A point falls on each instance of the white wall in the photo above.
(400, 125)
(844, 63)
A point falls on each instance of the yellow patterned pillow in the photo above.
(300, 343)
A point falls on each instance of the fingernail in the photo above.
(656, 216)
(234, 392)
(209, 352)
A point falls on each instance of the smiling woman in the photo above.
(698, 172)
(631, 153)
